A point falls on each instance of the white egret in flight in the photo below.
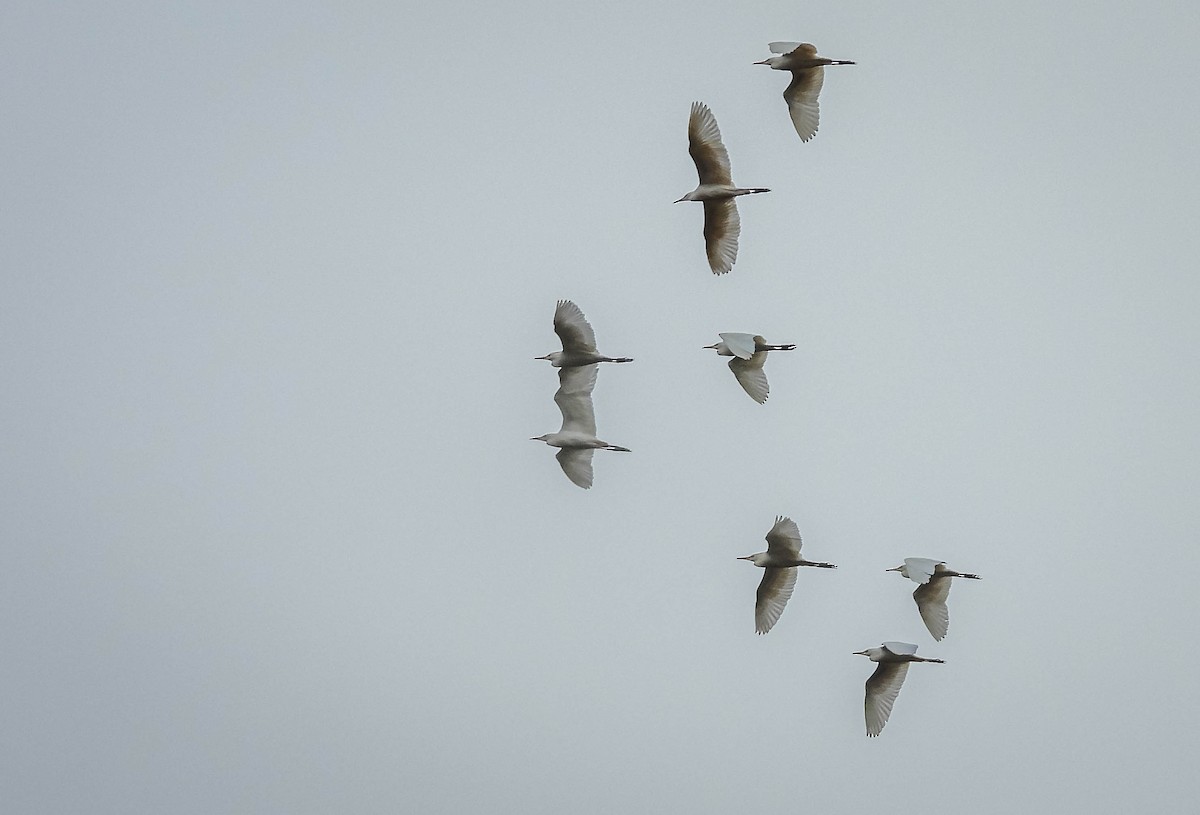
(578, 339)
(931, 595)
(884, 685)
(779, 563)
(749, 352)
(808, 74)
(716, 190)
(577, 438)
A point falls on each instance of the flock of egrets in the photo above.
(577, 363)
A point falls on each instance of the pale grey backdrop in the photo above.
(273, 538)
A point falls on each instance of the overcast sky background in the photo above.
(274, 538)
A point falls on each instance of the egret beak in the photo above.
(861, 654)
(545, 357)
(684, 198)
(714, 345)
(894, 569)
(747, 557)
(764, 62)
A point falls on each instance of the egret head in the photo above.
(873, 654)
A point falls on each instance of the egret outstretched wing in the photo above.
(573, 328)
(577, 464)
(750, 375)
(722, 227)
(882, 689)
(739, 344)
(706, 147)
(773, 594)
(931, 602)
(920, 569)
(783, 541)
(574, 399)
(801, 97)
(901, 648)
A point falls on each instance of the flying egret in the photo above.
(884, 685)
(808, 74)
(931, 595)
(721, 223)
(749, 352)
(578, 339)
(779, 563)
(577, 438)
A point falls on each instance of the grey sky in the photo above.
(274, 538)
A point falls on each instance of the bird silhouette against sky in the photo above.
(808, 75)
(577, 437)
(931, 594)
(716, 190)
(749, 352)
(779, 564)
(883, 686)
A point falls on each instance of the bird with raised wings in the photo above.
(808, 75)
(749, 352)
(577, 437)
(779, 564)
(716, 190)
(577, 337)
(931, 594)
(883, 686)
